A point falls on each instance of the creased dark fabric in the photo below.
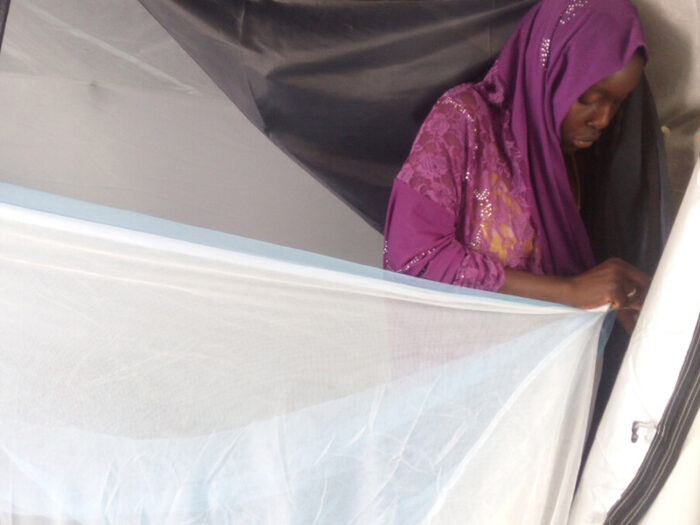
(627, 207)
(4, 9)
(341, 86)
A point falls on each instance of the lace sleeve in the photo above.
(437, 161)
(426, 213)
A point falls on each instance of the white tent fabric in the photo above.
(122, 116)
(162, 373)
(645, 383)
(671, 30)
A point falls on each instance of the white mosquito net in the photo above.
(153, 372)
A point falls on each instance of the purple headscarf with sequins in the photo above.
(559, 50)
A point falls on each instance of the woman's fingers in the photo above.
(635, 298)
(637, 287)
(637, 280)
(628, 285)
(619, 298)
(628, 319)
(613, 282)
(638, 277)
(631, 306)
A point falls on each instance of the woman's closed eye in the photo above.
(588, 99)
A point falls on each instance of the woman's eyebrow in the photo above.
(597, 89)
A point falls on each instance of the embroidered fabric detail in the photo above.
(410, 264)
(485, 274)
(570, 11)
(501, 233)
(544, 52)
(459, 107)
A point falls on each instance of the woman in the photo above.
(485, 199)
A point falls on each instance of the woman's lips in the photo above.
(583, 142)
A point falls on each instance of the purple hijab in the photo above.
(559, 50)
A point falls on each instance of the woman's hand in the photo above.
(613, 282)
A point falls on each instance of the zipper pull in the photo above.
(636, 425)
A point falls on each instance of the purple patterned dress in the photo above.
(458, 211)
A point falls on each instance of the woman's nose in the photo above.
(602, 117)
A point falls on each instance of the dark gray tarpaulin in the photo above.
(4, 7)
(343, 86)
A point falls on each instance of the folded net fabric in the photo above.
(153, 372)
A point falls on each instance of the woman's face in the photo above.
(596, 107)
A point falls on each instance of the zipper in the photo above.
(667, 443)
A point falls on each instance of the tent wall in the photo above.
(101, 104)
(671, 29)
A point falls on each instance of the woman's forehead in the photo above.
(623, 81)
